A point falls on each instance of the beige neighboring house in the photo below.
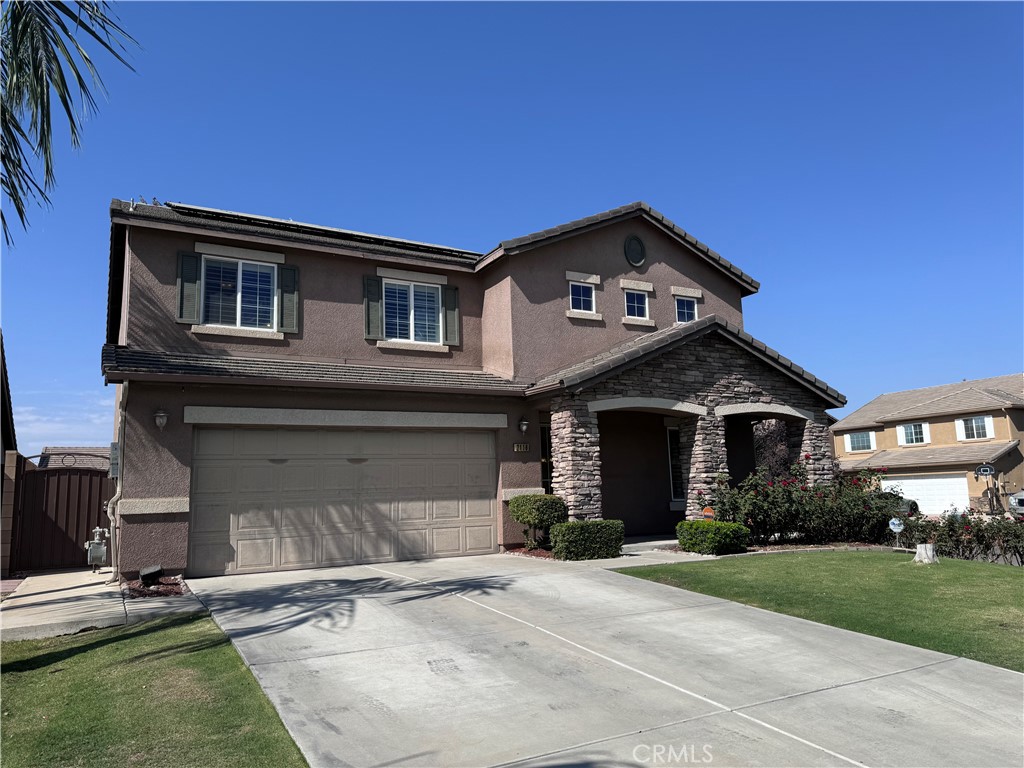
(930, 442)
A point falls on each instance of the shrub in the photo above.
(964, 537)
(537, 511)
(712, 537)
(587, 539)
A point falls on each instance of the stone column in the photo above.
(708, 460)
(812, 438)
(576, 457)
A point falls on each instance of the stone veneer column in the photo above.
(576, 457)
(812, 438)
(708, 460)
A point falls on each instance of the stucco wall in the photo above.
(496, 321)
(547, 340)
(942, 431)
(331, 318)
(157, 465)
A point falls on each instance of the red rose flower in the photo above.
(807, 457)
(804, 488)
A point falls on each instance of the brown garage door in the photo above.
(274, 499)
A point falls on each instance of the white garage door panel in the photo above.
(936, 494)
(270, 499)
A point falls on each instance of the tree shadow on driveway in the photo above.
(327, 603)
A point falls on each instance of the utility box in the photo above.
(96, 548)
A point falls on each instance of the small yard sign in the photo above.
(896, 526)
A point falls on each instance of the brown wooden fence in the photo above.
(50, 513)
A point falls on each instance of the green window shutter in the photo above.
(288, 299)
(451, 315)
(189, 266)
(373, 307)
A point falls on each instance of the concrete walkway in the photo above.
(501, 660)
(66, 602)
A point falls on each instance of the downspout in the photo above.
(115, 575)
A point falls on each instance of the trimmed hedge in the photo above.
(538, 512)
(587, 539)
(711, 537)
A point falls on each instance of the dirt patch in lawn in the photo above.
(167, 586)
(542, 554)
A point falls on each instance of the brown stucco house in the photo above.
(292, 396)
(932, 441)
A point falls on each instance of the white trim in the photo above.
(230, 330)
(582, 277)
(737, 409)
(507, 494)
(636, 285)
(176, 505)
(927, 433)
(576, 314)
(238, 295)
(687, 293)
(650, 403)
(412, 346)
(316, 417)
(901, 433)
(961, 431)
(240, 254)
(626, 317)
(413, 277)
(593, 298)
(871, 438)
(412, 312)
(675, 309)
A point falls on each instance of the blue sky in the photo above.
(863, 161)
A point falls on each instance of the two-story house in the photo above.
(931, 441)
(292, 396)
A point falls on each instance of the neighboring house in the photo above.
(91, 457)
(293, 396)
(930, 442)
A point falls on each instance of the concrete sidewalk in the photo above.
(67, 602)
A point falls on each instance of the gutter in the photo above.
(115, 576)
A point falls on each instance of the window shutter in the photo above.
(989, 427)
(451, 315)
(901, 434)
(373, 307)
(846, 443)
(871, 437)
(288, 299)
(960, 430)
(927, 432)
(189, 265)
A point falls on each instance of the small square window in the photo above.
(636, 304)
(581, 297)
(860, 441)
(975, 428)
(686, 310)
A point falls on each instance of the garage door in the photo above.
(273, 499)
(935, 493)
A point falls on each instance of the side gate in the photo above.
(54, 513)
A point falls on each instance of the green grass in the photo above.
(963, 608)
(167, 692)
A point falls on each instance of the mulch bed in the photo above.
(543, 554)
(167, 586)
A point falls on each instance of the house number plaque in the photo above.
(521, 447)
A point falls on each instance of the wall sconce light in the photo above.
(523, 425)
(160, 419)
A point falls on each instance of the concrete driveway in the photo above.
(502, 660)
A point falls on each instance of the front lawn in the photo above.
(167, 692)
(964, 608)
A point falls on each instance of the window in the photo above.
(636, 304)
(239, 294)
(675, 465)
(545, 456)
(412, 312)
(976, 428)
(686, 310)
(581, 297)
(913, 434)
(860, 441)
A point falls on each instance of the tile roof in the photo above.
(932, 456)
(215, 220)
(943, 400)
(92, 456)
(630, 211)
(644, 347)
(121, 363)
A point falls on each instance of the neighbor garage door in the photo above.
(272, 499)
(935, 493)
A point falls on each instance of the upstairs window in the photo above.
(686, 310)
(636, 304)
(581, 297)
(412, 312)
(860, 441)
(239, 294)
(974, 428)
(913, 434)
